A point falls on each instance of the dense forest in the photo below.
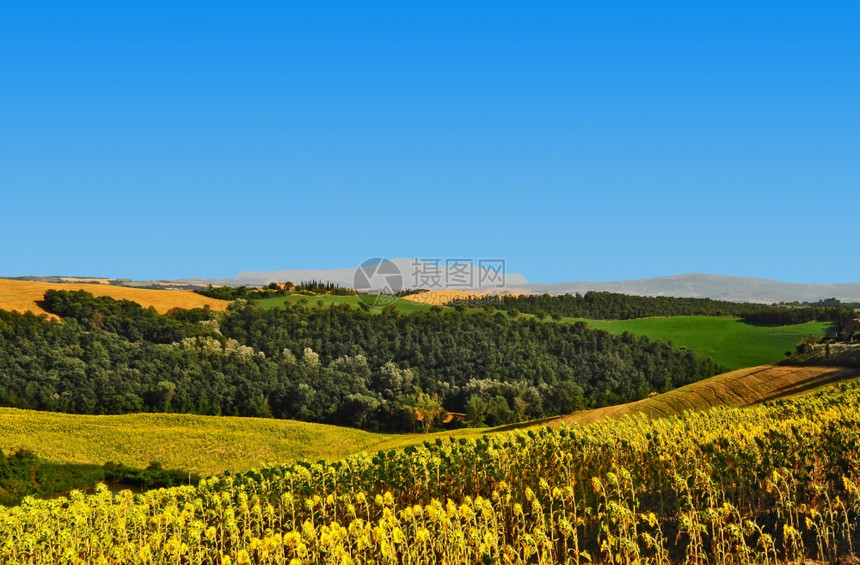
(614, 306)
(338, 365)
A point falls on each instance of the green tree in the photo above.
(429, 411)
(166, 392)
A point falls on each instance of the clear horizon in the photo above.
(580, 143)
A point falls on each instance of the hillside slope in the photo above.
(23, 295)
(210, 444)
(744, 387)
(728, 341)
(201, 444)
(736, 388)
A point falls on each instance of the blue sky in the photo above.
(140, 140)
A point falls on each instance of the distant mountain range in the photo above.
(492, 279)
(716, 287)
(413, 274)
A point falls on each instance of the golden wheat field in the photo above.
(23, 295)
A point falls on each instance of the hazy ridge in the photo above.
(694, 285)
(717, 287)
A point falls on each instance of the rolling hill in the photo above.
(728, 341)
(737, 388)
(24, 295)
(210, 444)
(202, 444)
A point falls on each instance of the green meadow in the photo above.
(728, 341)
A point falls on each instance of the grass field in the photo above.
(727, 341)
(201, 444)
(23, 295)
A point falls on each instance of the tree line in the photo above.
(273, 290)
(614, 306)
